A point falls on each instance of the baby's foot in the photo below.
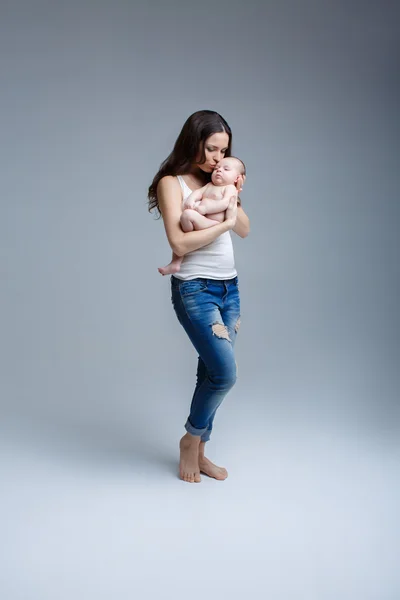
(200, 209)
(169, 269)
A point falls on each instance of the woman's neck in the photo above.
(198, 176)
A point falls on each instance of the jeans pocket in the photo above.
(192, 286)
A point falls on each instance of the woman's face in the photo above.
(214, 149)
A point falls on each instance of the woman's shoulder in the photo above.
(169, 180)
(168, 183)
(168, 189)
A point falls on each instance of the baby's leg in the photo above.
(192, 220)
(219, 217)
(173, 267)
(209, 207)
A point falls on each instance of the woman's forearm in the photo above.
(242, 226)
(193, 240)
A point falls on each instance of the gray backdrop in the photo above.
(93, 96)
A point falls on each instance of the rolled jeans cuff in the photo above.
(193, 431)
(206, 436)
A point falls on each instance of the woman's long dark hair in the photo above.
(198, 127)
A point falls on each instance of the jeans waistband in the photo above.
(176, 281)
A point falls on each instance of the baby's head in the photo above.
(228, 171)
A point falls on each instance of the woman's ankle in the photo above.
(188, 438)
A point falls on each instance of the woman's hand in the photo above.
(231, 212)
(240, 183)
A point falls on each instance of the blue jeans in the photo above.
(209, 311)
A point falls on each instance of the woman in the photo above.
(205, 292)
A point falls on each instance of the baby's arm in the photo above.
(211, 207)
(194, 198)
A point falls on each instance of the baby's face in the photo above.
(226, 172)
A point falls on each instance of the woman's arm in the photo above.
(242, 227)
(170, 200)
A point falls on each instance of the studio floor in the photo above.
(307, 512)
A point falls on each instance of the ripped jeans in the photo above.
(209, 311)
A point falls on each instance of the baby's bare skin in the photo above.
(214, 202)
(205, 207)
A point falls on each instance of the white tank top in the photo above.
(213, 261)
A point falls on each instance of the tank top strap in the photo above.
(184, 186)
(181, 182)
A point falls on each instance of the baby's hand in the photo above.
(189, 204)
(200, 209)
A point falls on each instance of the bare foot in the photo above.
(169, 269)
(189, 464)
(201, 210)
(208, 468)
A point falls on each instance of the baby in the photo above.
(211, 199)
